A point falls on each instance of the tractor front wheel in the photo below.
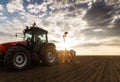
(50, 56)
(17, 58)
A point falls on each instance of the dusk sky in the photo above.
(93, 26)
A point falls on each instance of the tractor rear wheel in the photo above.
(17, 58)
(49, 56)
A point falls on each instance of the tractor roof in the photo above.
(38, 29)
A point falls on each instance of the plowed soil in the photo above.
(87, 69)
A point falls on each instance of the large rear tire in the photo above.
(49, 56)
(17, 58)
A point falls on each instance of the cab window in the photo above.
(27, 35)
(42, 37)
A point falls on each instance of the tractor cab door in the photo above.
(28, 38)
(40, 37)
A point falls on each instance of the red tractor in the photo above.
(18, 55)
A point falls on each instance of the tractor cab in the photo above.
(35, 36)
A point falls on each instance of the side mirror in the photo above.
(17, 34)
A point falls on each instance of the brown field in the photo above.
(88, 69)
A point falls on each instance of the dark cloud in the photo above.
(99, 17)
(98, 13)
(90, 34)
(115, 30)
(117, 23)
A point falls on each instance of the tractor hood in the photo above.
(5, 46)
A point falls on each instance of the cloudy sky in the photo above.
(93, 26)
